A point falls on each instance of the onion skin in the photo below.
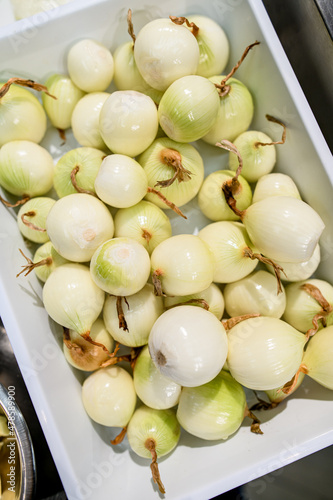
(165, 52)
(188, 345)
(188, 108)
(283, 228)
(212, 411)
(71, 298)
(35, 212)
(183, 264)
(109, 397)
(235, 112)
(264, 353)
(275, 184)
(317, 360)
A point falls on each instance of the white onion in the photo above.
(128, 122)
(120, 266)
(229, 242)
(275, 184)
(214, 410)
(188, 345)
(140, 310)
(264, 353)
(154, 389)
(109, 397)
(90, 65)
(283, 228)
(72, 299)
(31, 218)
(85, 120)
(317, 360)
(165, 52)
(145, 222)
(298, 271)
(67, 95)
(26, 168)
(256, 293)
(211, 299)
(77, 225)
(182, 265)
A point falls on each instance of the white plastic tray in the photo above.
(197, 470)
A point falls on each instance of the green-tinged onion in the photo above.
(22, 117)
(275, 184)
(210, 299)
(109, 397)
(214, 410)
(120, 266)
(258, 159)
(188, 108)
(276, 396)
(152, 434)
(256, 293)
(128, 122)
(309, 304)
(298, 271)
(188, 345)
(235, 112)
(182, 265)
(88, 356)
(31, 218)
(165, 52)
(212, 201)
(232, 250)
(46, 259)
(77, 225)
(145, 222)
(130, 321)
(90, 65)
(154, 390)
(283, 228)
(213, 45)
(67, 95)
(76, 171)
(264, 353)
(175, 168)
(85, 120)
(317, 360)
(72, 299)
(26, 168)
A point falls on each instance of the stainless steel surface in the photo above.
(23, 439)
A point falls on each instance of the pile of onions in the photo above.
(167, 325)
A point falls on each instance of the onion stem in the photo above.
(31, 265)
(31, 213)
(130, 26)
(231, 322)
(276, 267)
(316, 294)
(120, 312)
(157, 283)
(172, 158)
(283, 139)
(167, 202)
(150, 445)
(75, 170)
(17, 203)
(289, 386)
(262, 404)
(182, 20)
(24, 83)
(255, 426)
(118, 439)
(225, 89)
(201, 302)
